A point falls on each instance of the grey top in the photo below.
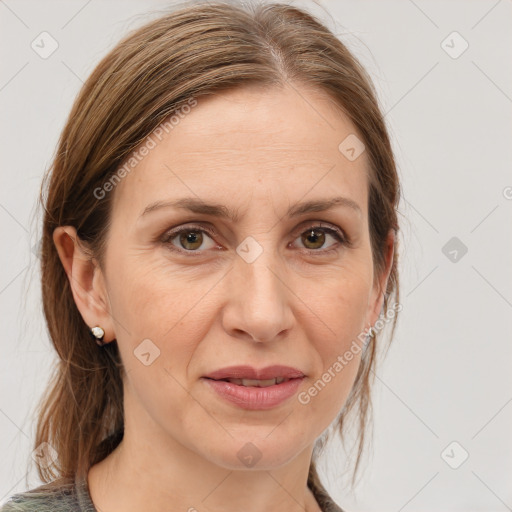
(73, 496)
(66, 497)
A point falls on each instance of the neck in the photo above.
(139, 475)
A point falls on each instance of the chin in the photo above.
(257, 452)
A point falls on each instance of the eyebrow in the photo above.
(195, 205)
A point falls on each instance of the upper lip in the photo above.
(248, 372)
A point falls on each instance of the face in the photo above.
(191, 292)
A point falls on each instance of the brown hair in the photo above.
(196, 50)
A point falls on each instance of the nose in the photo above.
(258, 307)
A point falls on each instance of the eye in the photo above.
(315, 237)
(190, 239)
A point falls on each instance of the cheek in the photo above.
(325, 397)
(157, 312)
(342, 302)
(159, 328)
(341, 307)
(152, 297)
(339, 355)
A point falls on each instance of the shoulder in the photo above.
(45, 498)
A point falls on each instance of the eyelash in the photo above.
(335, 232)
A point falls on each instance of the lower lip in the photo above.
(255, 398)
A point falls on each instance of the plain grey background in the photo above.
(443, 73)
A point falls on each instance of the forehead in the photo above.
(231, 145)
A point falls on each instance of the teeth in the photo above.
(257, 383)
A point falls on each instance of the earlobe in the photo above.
(85, 279)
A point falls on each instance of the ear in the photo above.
(86, 280)
(376, 301)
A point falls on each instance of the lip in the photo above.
(255, 398)
(248, 372)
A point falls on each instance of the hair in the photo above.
(196, 50)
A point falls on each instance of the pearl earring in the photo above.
(97, 334)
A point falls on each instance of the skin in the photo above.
(258, 151)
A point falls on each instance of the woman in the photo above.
(219, 242)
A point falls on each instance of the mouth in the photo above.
(255, 383)
(249, 388)
(249, 376)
